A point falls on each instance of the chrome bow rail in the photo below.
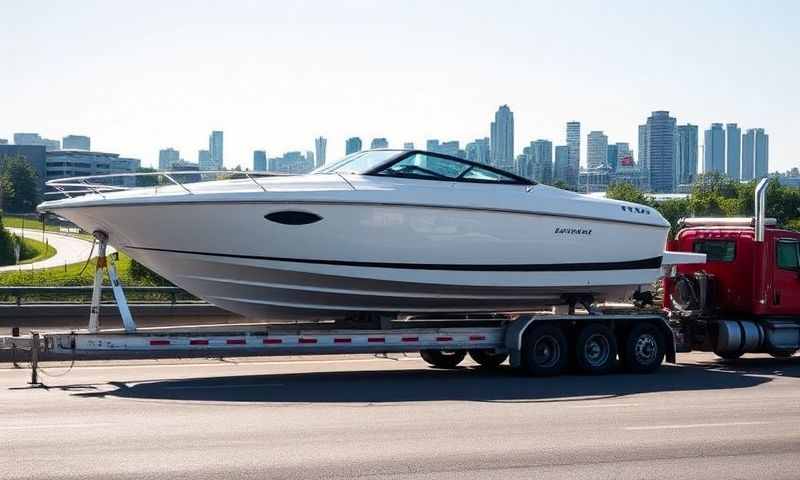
(92, 183)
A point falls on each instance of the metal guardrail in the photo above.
(19, 293)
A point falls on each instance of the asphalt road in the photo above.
(69, 249)
(360, 416)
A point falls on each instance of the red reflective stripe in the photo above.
(272, 341)
(342, 340)
(443, 339)
(198, 342)
(307, 340)
(411, 339)
(376, 340)
(159, 342)
(474, 338)
(235, 341)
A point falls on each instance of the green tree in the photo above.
(20, 185)
(147, 180)
(628, 193)
(7, 241)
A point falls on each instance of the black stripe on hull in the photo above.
(644, 264)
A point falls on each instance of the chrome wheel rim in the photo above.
(596, 350)
(546, 351)
(645, 349)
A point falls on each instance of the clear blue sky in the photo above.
(140, 76)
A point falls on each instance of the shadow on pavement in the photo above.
(465, 384)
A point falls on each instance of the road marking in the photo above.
(54, 426)
(695, 425)
(606, 405)
(208, 387)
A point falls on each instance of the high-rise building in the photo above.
(611, 158)
(3, 141)
(76, 142)
(623, 152)
(714, 149)
(561, 164)
(35, 139)
(292, 162)
(204, 160)
(502, 139)
(661, 146)
(215, 151)
(259, 161)
(479, 151)
(168, 157)
(352, 145)
(686, 163)
(761, 154)
(574, 146)
(432, 145)
(310, 158)
(733, 151)
(379, 142)
(408, 146)
(644, 162)
(320, 144)
(543, 161)
(749, 155)
(451, 148)
(596, 149)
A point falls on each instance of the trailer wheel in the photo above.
(544, 350)
(729, 355)
(488, 358)
(443, 358)
(783, 354)
(644, 348)
(595, 349)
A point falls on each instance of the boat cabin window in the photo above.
(716, 250)
(433, 167)
(787, 254)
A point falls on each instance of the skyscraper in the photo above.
(168, 157)
(215, 151)
(259, 161)
(574, 146)
(623, 151)
(379, 142)
(644, 162)
(543, 161)
(596, 149)
(479, 151)
(76, 142)
(611, 158)
(661, 146)
(686, 163)
(204, 160)
(408, 146)
(352, 145)
(714, 149)
(561, 164)
(502, 139)
(733, 151)
(432, 145)
(761, 154)
(749, 155)
(320, 144)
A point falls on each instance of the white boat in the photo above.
(381, 231)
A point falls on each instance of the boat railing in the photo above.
(115, 182)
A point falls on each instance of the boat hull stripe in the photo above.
(646, 263)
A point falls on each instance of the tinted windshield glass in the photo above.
(423, 166)
(359, 162)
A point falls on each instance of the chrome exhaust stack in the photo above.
(761, 208)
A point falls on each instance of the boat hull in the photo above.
(371, 257)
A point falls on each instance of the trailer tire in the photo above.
(595, 349)
(488, 358)
(544, 350)
(783, 354)
(447, 359)
(729, 355)
(644, 348)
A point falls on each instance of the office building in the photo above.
(733, 151)
(661, 142)
(748, 155)
(479, 151)
(320, 145)
(35, 139)
(761, 155)
(714, 149)
(204, 160)
(259, 161)
(3, 141)
(623, 152)
(611, 158)
(76, 142)
(596, 149)
(352, 145)
(574, 146)
(644, 164)
(408, 146)
(35, 155)
(686, 163)
(215, 151)
(561, 164)
(74, 163)
(432, 145)
(452, 147)
(168, 157)
(502, 139)
(542, 161)
(379, 142)
(292, 162)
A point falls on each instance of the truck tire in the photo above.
(544, 350)
(644, 348)
(595, 349)
(488, 358)
(443, 358)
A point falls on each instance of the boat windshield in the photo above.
(360, 162)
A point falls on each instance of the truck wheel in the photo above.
(443, 358)
(644, 348)
(488, 358)
(595, 349)
(544, 350)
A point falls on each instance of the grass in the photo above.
(65, 276)
(35, 251)
(13, 221)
